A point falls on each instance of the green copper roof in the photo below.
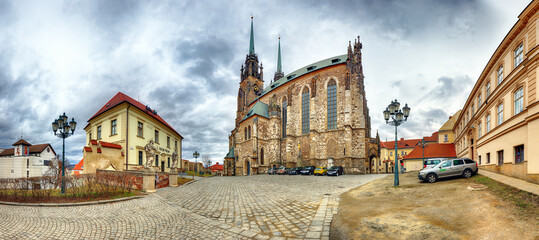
(252, 43)
(279, 68)
(230, 153)
(304, 70)
(260, 109)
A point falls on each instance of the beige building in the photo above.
(387, 153)
(499, 123)
(26, 160)
(316, 115)
(117, 134)
(446, 134)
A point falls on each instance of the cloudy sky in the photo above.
(183, 59)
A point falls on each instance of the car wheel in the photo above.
(431, 178)
(467, 173)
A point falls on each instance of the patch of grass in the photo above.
(191, 173)
(182, 180)
(527, 203)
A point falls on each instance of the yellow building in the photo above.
(499, 123)
(445, 134)
(117, 134)
(387, 153)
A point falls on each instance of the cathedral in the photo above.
(314, 116)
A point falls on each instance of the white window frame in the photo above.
(499, 119)
(487, 123)
(518, 97)
(518, 55)
(499, 74)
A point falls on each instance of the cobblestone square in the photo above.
(250, 207)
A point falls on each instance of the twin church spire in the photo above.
(251, 61)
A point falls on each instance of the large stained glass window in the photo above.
(332, 104)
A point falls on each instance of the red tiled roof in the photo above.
(432, 138)
(87, 149)
(409, 143)
(79, 165)
(440, 150)
(120, 98)
(33, 149)
(7, 152)
(22, 142)
(216, 167)
(93, 142)
(110, 145)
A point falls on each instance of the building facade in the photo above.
(499, 123)
(117, 134)
(387, 153)
(316, 115)
(26, 160)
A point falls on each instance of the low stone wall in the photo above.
(513, 170)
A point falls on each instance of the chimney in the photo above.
(402, 139)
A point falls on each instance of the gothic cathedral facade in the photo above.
(314, 116)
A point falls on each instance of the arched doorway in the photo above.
(248, 167)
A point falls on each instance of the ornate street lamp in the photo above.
(61, 129)
(196, 155)
(398, 117)
(423, 144)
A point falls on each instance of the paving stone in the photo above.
(265, 206)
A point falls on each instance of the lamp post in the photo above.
(423, 144)
(61, 129)
(196, 155)
(398, 117)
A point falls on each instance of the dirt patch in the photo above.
(417, 210)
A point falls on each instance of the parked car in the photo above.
(321, 171)
(272, 170)
(448, 168)
(308, 170)
(335, 171)
(432, 162)
(282, 170)
(295, 171)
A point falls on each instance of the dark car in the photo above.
(295, 171)
(308, 170)
(335, 171)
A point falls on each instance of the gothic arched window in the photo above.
(249, 132)
(305, 127)
(284, 118)
(262, 156)
(245, 131)
(332, 104)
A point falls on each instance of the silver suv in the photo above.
(448, 168)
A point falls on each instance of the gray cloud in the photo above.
(183, 59)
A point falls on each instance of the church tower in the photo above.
(252, 80)
(279, 73)
(354, 74)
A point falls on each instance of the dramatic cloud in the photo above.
(183, 59)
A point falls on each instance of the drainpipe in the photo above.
(127, 141)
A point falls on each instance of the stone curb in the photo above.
(70, 204)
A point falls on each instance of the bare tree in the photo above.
(206, 160)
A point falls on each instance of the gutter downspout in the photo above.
(127, 141)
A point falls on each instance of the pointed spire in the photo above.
(252, 43)
(279, 67)
(279, 73)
